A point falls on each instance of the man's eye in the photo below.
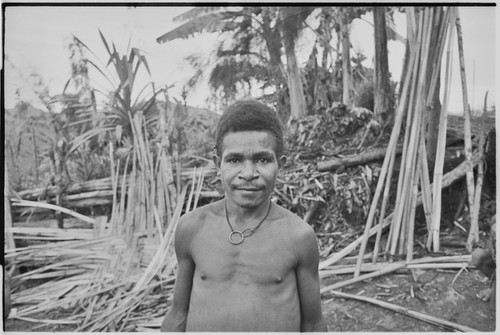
(263, 160)
(233, 160)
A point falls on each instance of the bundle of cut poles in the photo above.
(429, 32)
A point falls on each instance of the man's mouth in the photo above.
(247, 189)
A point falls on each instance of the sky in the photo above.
(35, 39)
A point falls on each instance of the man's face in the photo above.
(248, 167)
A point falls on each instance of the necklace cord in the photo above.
(246, 232)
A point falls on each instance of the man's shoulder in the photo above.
(301, 234)
(200, 214)
(293, 222)
(191, 223)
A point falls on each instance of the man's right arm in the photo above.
(175, 320)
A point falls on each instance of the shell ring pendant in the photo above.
(237, 237)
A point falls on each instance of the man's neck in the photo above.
(246, 216)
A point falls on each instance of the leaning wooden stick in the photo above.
(474, 213)
(417, 315)
(383, 271)
(27, 203)
(474, 231)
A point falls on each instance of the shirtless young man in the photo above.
(246, 264)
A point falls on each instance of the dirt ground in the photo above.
(433, 294)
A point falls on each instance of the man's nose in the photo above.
(248, 171)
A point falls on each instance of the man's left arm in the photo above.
(308, 283)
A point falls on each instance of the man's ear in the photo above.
(281, 162)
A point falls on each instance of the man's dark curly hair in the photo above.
(249, 115)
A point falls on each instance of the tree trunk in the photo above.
(346, 57)
(272, 40)
(354, 160)
(297, 98)
(382, 90)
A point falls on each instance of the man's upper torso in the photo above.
(251, 286)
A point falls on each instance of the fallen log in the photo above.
(353, 160)
(103, 184)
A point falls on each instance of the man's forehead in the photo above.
(262, 140)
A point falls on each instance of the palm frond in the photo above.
(196, 12)
(208, 23)
(104, 42)
(79, 140)
(100, 71)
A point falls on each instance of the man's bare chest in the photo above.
(264, 258)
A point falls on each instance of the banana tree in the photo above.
(259, 34)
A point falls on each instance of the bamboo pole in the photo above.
(356, 279)
(27, 203)
(474, 214)
(383, 208)
(411, 226)
(114, 180)
(341, 270)
(188, 202)
(474, 230)
(201, 177)
(8, 238)
(436, 64)
(46, 321)
(119, 222)
(131, 195)
(440, 155)
(425, 184)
